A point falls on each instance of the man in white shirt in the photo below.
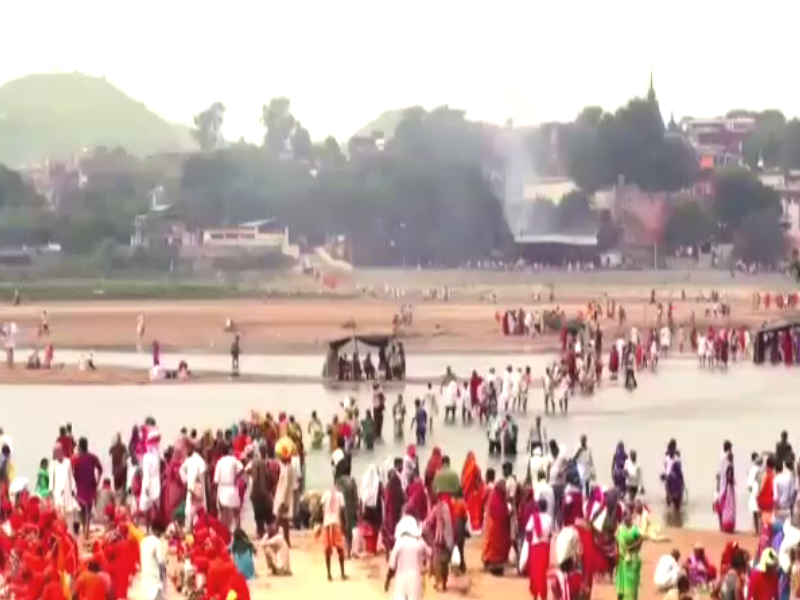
(151, 476)
(153, 561)
(633, 475)
(332, 513)
(450, 401)
(506, 392)
(537, 463)
(226, 476)
(516, 388)
(785, 493)
(429, 400)
(668, 569)
(665, 340)
(543, 491)
(193, 471)
(753, 484)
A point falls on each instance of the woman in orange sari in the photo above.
(472, 488)
(497, 539)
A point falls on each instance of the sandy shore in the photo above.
(305, 326)
(107, 375)
(366, 575)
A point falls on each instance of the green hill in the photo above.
(52, 115)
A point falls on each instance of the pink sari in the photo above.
(725, 503)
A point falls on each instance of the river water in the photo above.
(748, 405)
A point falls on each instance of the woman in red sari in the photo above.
(472, 487)
(417, 503)
(432, 468)
(174, 491)
(497, 538)
(590, 561)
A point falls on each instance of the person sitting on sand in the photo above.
(242, 552)
(699, 569)
(276, 550)
(34, 362)
(668, 569)
(183, 370)
(86, 363)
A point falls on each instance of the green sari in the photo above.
(629, 568)
(43, 484)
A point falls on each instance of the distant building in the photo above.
(787, 185)
(718, 142)
(267, 234)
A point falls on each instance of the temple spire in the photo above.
(651, 92)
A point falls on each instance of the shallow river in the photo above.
(748, 405)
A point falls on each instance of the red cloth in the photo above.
(766, 495)
(592, 560)
(538, 564)
(565, 586)
(90, 586)
(432, 468)
(727, 556)
(473, 488)
(417, 502)
(224, 578)
(573, 507)
(67, 444)
(53, 591)
(497, 540)
(763, 585)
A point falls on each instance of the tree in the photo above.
(600, 147)
(302, 147)
(764, 143)
(330, 154)
(689, 225)
(738, 194)
(14, 191)
(760, 238)
(279, 125)
(208, 127)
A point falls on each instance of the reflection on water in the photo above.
(699, 408)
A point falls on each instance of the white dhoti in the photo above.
(228, 496)
(408, 586)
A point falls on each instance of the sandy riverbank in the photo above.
(366, 575)
(305, 326)
(110, 375)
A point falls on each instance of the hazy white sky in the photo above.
(344, 61)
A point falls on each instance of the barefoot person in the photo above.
(226, 474)
(407, 561)
(88, 472)
(332, 519)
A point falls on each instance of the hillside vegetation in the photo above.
(53, 115)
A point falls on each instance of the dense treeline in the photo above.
(427, 192)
